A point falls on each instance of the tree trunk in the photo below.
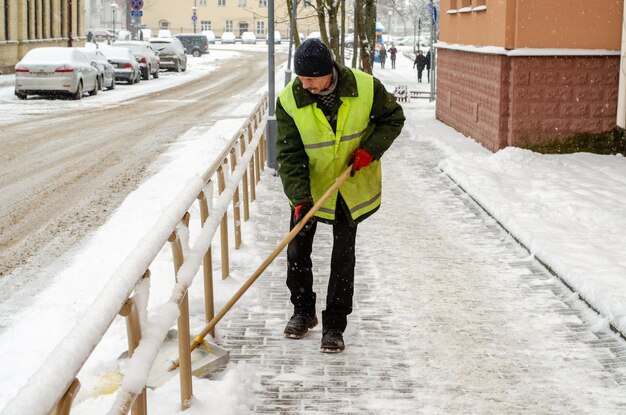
(321, 20)
(342, 39)
(296, 36)
(367, 32)
(333, 27)
(329, 9)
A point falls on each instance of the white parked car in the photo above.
(248, 38)
(146, 34)
(314, 35)
(54, 70)
(123, 35)
(277, 38)
(164, 33)
(106, 73)
(210, 36)
(228, 37)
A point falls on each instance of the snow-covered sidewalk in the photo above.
(451, 315)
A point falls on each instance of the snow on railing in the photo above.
(54, 385)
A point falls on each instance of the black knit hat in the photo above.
(313, 58)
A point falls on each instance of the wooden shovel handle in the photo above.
(209, 326)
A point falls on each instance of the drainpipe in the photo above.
(621, 95)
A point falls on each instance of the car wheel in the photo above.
(145, 74)
(96, 88)
(156, 73)
(102, 83)
(137, 78)
(177, 68)
(196, 53)
(184, 68)
(21, 95)
(79, 91)
(112, 87)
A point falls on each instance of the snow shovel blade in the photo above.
(203, 361)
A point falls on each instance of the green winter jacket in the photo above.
(386, 120)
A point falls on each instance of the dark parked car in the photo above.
(171, 53)
(147, 58)
(124, 63)
(194, 44)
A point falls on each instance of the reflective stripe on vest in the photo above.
(329, 152)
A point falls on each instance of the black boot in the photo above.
(299, 325)
(332, 341)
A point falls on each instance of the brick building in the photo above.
(28, 24)
(522, 72)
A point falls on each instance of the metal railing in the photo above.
(236, 171)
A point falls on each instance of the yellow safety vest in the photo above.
(330, 152)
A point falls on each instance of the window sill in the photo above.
(479, 9)
(465, 10)
(452, 11)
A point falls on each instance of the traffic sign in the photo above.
(136, 13)
(194, 18)
(136, 4)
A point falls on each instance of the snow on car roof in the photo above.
(49, 54)
(115, 52)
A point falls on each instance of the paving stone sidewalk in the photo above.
(451, 315)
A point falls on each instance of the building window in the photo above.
(480, 5)
(262, 3)
(202, 2)
(164, 24)
(228, 27)
(466, 6)
(205, 25)
(260, 28)
(221, 2)
(243, 3)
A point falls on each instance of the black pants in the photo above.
(419, 74)
(341, 281)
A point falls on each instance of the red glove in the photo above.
(360, 158)
(299, 212)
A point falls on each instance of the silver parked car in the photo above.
(248, 38)
(171, 53)
(54, 70)
(106, 72)
(124, 63)
(147, 58)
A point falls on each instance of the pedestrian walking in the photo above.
(420, 62)
(428, 64)
(329, 117)
(382, 55)
(392, 55)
